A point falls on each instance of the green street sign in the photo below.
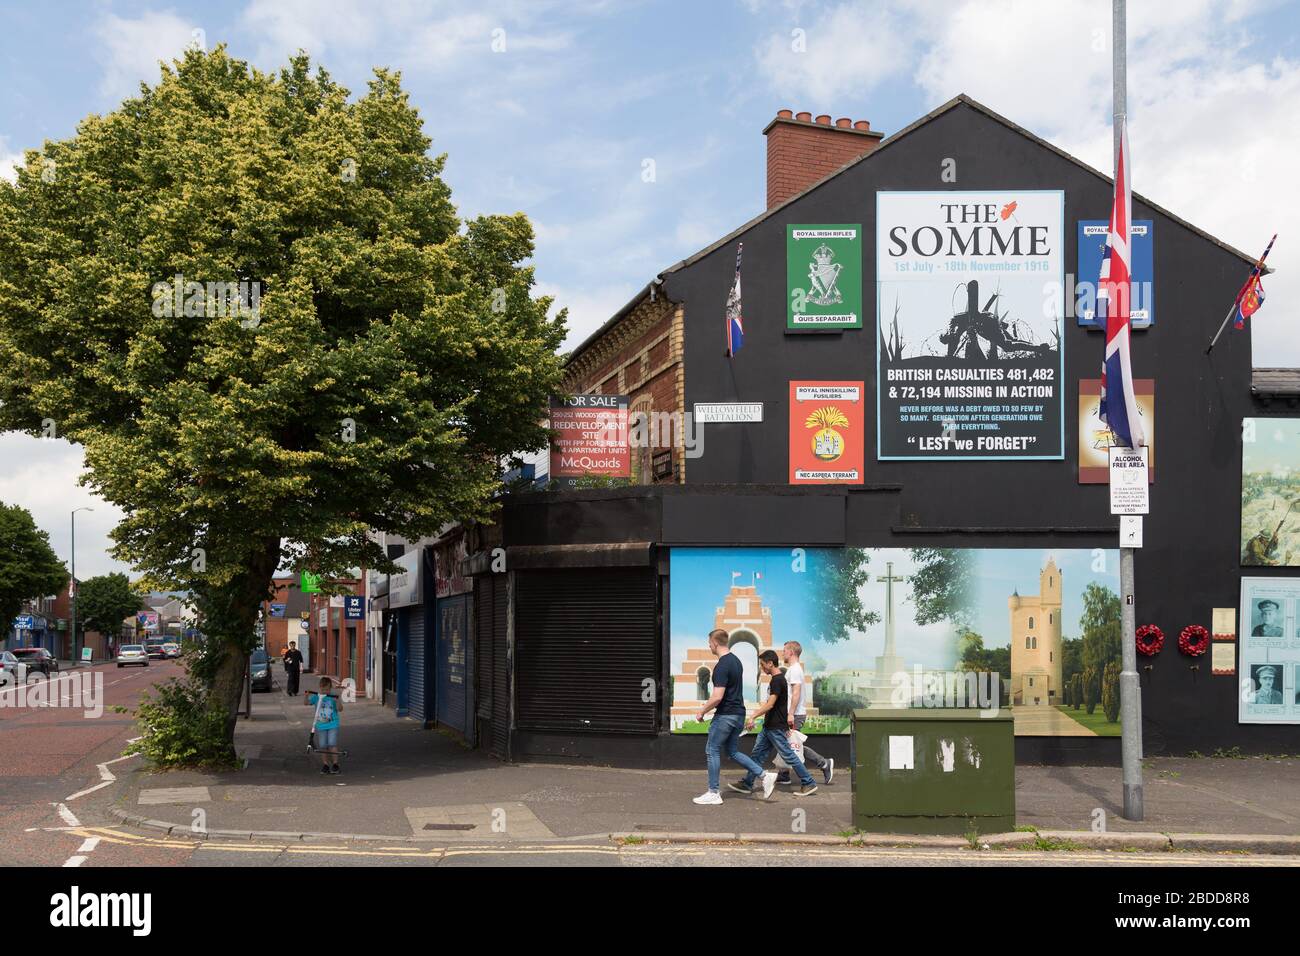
(823, 268)
(309, 583)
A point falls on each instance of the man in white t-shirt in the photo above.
(790, 653)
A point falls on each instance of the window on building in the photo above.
(1031, 623)
(1026, 643)
(1035, 644)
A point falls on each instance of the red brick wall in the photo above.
(640, 357)
(801, 151)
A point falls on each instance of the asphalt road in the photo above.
(50, 754)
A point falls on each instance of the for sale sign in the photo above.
(589, 438)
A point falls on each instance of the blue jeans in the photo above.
(724, 736)
(776, 739)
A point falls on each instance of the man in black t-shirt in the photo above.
(292, 668)
(724, 730)
(776, 730)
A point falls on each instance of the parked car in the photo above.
(260, 665)
(37, 659)
(154, 648)
(132, 654)
(171, 649)
(12, 671)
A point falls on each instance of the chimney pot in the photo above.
(785, 114)
(799, 156)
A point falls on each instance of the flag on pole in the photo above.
(1251, 296)
(1119, 408)
(735, 323)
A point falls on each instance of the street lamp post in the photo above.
(73, 596)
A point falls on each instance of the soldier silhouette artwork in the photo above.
(965, 329)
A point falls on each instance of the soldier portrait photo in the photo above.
(1267, 619)
(1266, 680)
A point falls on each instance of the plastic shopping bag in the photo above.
(796, 739)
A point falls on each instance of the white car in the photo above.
(12, 671)
(132, 654)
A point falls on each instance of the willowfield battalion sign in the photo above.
(970, 299)
(826, 432)
(823, 269)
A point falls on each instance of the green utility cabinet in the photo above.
(933, 770)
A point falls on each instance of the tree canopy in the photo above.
(104, 601)
(250, 298)
(29, 567)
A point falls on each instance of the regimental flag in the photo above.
(735, 323)
(1119, 408)
(1251, 296)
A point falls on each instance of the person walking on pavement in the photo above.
(292, 668)
(775, 735)
(792, 652)
(724, 730)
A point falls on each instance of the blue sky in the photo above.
(587, 95)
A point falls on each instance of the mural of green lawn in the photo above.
(813, 725)
(1096, 721)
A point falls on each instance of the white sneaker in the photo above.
(769, 784)
(708, 799)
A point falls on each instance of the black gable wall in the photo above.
(1191, 560)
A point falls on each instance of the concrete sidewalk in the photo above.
(401, 782)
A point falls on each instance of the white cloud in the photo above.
(9, 161)
(41, 475)
(849, 49)
(131, 48)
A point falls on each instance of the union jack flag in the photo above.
(1119, 409)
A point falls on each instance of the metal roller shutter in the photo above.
(491, 674)
(453, 662)
(416, 659)
(585, 642)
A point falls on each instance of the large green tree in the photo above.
(395, 356)
(104, 601)
(28, 566)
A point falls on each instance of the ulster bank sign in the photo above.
(971, 299)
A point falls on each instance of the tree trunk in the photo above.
(232, 628)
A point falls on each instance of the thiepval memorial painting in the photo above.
(1038, 631)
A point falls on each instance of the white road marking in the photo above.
(106, 775)
(67, 815)
(74, 861)
(89, 845)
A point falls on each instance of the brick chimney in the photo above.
(801, 150)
